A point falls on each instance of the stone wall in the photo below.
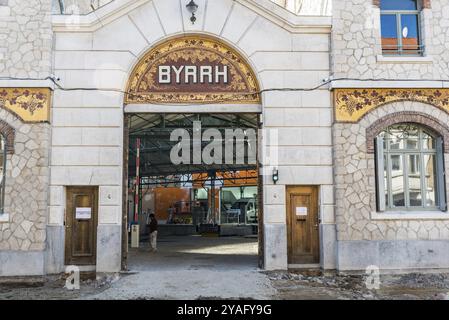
(26, 193)
(356, 184)
(25, 38)
(25, 52)
(357, 50)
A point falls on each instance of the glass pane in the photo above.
(414, 180)
(430, 176)
(397, 181)
(2, 162)
(411, 137)
(386, 182)
(410, 34)
(404, 136)
(389, 33)
(398, 5)
(428, 141)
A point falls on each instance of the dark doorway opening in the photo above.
(198, 174)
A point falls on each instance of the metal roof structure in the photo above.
(154, 131)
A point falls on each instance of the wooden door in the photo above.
(303, 225)
(81, 226)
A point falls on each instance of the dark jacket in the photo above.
(153, 225)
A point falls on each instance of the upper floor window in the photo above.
(400, 27)
(2, 172)
(410, 170)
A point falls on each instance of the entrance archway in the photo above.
(192, 109)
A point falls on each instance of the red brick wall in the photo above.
(8, 132)
(403, 117)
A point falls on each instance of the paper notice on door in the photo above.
(301, 211)
(83, 213)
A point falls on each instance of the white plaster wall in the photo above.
(88, 125)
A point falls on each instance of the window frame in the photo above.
(382, 155)
(400, 47)
(3, 141)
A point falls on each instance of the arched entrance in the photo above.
(192, 114)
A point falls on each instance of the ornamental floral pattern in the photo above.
(143, 86)
(29, 104)
(352, 104)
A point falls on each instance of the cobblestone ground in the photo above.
(280, 286)
(191, 268)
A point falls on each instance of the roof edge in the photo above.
(111, 11)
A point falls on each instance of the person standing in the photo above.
(153, 232)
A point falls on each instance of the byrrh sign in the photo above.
(192, 69)
(193, 74)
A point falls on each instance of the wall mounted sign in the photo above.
(28, 104)
(301, 211)
(83, 213)
(192, 69)
(352, 104)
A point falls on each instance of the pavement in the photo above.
(195, 267)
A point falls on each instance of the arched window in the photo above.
(2, 172)
(401, 27)
(410, 169)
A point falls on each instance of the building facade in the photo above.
(392, 63)
(336, 86)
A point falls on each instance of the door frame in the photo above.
(315, 194)
(67, 240)
(260, 186)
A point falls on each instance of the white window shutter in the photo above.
(380, 173)
(441, 175)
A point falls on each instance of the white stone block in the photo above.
(75, 156)
(274, 194)
(327, 214)
(305, 155)
(170, 15)
(303, 175)
(86, 99)
(289, 117)
(275, 213)
(110, 196)
(238, 22)
(94, 79)
(62, 136)
(255, 39)
(76, 117)
(85, 117)
(120, 35)
(111, 156)
(286, 99)
(56, 215)
(302, 136)
(216, 15)
(57, 196)
(327, 194)
(292, 79)
(311, 42)
(317, 99)
(86, 176)
(102, 136)
(73, 41)
(98, 60)
(109, 215)
(147, 21)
